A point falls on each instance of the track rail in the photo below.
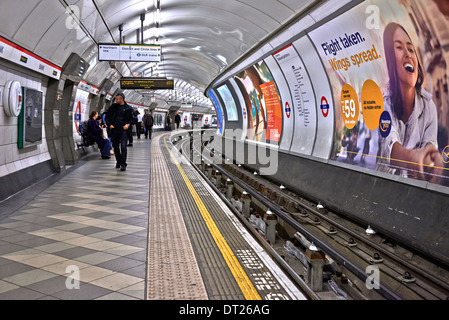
(393, 267)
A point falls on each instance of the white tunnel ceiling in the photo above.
(199, 38)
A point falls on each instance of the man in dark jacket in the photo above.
(177, 120)
(118, 118)
(148, 122)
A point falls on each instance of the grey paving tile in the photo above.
(29, 277)
(19, 237)
(116, 296)
(141, 256)
(10, 248)
(85, 292)
(97, 215)
(50, 286)
(127, 239)
(75, 252)
(97, 258)
(53, 223)
(8, 233)
(39, 241)
(48, 298)
(120, 264)
(141, 243)
(13, 268)
(138, 271)
(87, 231)
(21, 294)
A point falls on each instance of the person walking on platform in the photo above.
(118, 118)
(177, 120)
(139, 124)
(148, 122)
(130, 129)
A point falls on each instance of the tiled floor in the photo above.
(94, 220)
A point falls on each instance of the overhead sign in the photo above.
(18, 55)
(129, 52)
(146, 83)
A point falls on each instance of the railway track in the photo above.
(402, 273)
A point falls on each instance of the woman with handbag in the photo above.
(96, 132)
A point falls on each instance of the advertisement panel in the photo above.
(244, 110)
(303, 99)
(159, 120)
(388, 70)
(220, 122)
(262, 99)
(186, 120)
(230, 106)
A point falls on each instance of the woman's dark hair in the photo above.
(394, 84)
(92, 114)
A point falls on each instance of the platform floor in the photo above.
(125, 235)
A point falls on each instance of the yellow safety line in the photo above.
(245, 284)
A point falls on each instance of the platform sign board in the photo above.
(324, 105)
(146, 84)
(303, 102)
(129, 52)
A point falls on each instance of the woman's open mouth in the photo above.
(409, 67)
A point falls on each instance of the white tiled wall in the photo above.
(12, 158)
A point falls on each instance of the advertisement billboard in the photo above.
(243, 108)
(263, 102)
(388, 70)
(230, 106)
(288, 113)
(220, 122)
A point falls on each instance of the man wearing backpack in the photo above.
(118, 118)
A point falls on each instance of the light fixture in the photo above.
(369, 231)
(313, 247)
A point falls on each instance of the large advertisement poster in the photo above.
(159, 120)
(243, 110)
(230, 106)
(388, 70)
(262, 100)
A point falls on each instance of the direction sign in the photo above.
(146, 83)
(129, 52)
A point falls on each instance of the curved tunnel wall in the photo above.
(323, 101)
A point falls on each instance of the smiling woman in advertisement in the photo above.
(411, 148)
